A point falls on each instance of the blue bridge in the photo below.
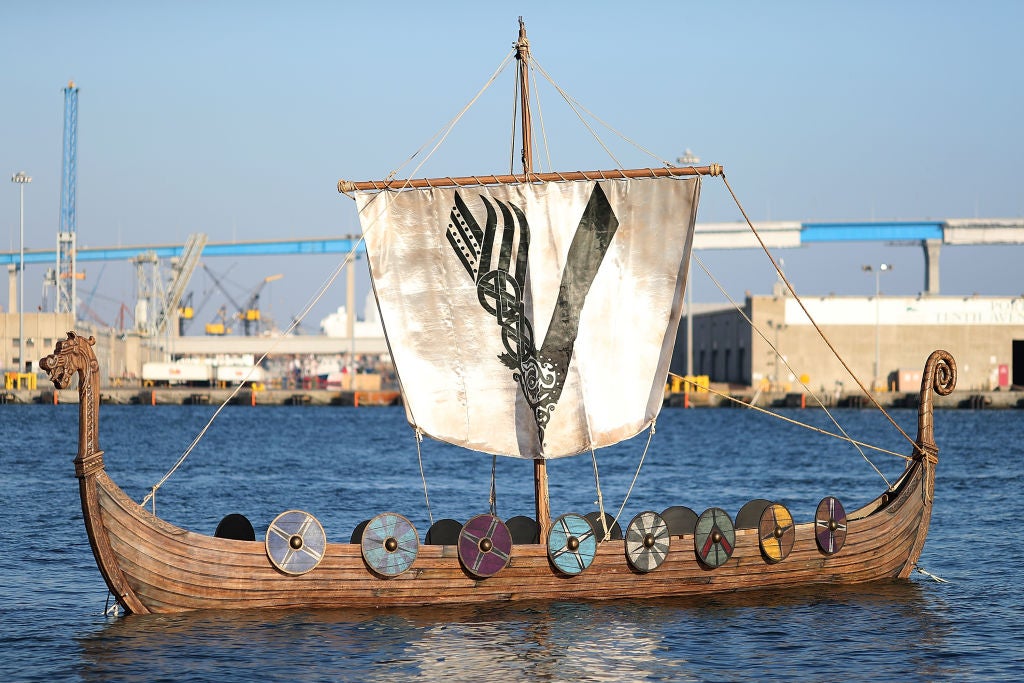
(931, 235)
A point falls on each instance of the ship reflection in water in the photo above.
(791, 635)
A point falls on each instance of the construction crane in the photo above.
(86, 306)
(157, 302)
(185, 314)
(251, 315)
(65, 278)
(219, 325)
(188, 310)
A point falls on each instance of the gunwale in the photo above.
(170, 569)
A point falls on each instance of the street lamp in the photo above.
(883, 268)
(21, 178)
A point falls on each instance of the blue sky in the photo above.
(237, 118)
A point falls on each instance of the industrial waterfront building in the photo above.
(884, 340)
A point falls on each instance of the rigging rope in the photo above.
(778, 355)
(751, 406)
(350, 257)
(111, 610)
(600, 497)
(540, 117)
(799, 301)
(574, 103)
(423, 477)
(573, 106)
(576, 106)
(494, 490)
(636, 475)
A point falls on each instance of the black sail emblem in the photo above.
(499, 271)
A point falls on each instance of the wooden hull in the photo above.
(153, 566)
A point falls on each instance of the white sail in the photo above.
(533, 320)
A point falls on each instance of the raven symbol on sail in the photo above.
(499, 271)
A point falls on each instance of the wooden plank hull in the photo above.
(153, 566)
(169, 569)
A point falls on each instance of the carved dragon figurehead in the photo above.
(71, 355)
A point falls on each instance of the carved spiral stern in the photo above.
(939, 378)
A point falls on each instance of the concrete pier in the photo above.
(208, 396)
(323, 397)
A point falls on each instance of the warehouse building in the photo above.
(884, 340)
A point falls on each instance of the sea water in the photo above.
(345, 465)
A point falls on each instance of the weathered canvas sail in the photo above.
(533, 320)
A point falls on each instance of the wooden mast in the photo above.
(540, 468)
(523, 55)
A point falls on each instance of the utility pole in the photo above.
(21, 179)
(689, 159)
(883, 268)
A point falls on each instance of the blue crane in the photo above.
(65, 277)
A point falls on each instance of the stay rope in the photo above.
(350, 257)
(577, 107)
(423, 477)
(778, 355)
(821, 333)
(440, 136)
(842, 437)
(636, 475)
(600, 496)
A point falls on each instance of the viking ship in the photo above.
(528, 315)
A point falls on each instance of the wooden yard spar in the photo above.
(502, 356)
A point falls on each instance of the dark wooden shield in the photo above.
(571, 544)
(681, 520)
(749, 515)
(295, 542)
(237, 527)
(485, 546)
(443, 532)
(357, 533)
(614, 530)
(714, 537)
(523, 529)
(776, 532)
(830, 525)
(389, 544)
(647, 541)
